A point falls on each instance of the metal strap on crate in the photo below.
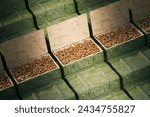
(24, 48)
(140, 9)
(109, 17)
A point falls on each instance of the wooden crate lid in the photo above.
(108, 17)
(140, 9)
(68, 32)
(24, 48)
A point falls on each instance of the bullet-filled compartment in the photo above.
(141, 17)
(113, 31)
(82, 60)
(122, 42)
(72, 45)
(118, 36)
(33, 68)
(77, 51)
(30, 64)
(7, 89)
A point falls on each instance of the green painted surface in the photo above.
(52, 11)
(15, 20)
(140, 91)
(55, 21)
(94, 81)
(83, 63)
(116, 95)
(30, 96)
(39, 81)
(134, 66)
(11, 6)
(56, 90)
(85, 6)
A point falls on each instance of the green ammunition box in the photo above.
(141, 11)
(110, 22)
(26, 49)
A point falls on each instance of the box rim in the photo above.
(100, 51)
(57, 68)
(141, 35)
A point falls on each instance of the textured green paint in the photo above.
(55, 21)
(15, 20)
(116, 95)
(36, 2)
(140, 91)
(85, 6)
(56, 90)
(94, 81)
(10, 6)
(83, 63)
(16, 23)
(30, 96)
(134, 66)
(52, 12)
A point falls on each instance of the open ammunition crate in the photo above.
(129, 58)
(7, 89)
(50, 12)
(141, 16)
(28, 61)
(71, 44)
(15, 20)
(89, 75)
(112, 29)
